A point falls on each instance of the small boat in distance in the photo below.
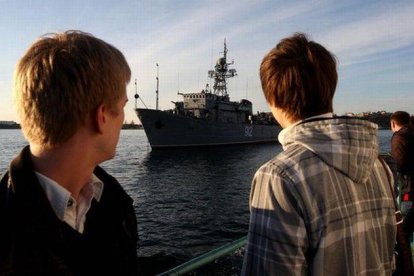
(208, 118)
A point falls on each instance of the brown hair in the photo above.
(61, 79)
(401, 118)
(299, 76)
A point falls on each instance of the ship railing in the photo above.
(206, 258)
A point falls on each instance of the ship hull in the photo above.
(167, 130)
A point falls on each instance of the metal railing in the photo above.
(206, 258)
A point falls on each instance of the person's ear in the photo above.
(393, 126)
(100, 118)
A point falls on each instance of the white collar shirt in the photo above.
(65, 206)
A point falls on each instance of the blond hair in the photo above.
(61, 79)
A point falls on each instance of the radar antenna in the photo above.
(222, 72)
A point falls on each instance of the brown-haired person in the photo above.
(61, 214)
(402, 151)
(323, 206)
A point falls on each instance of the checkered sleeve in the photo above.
(277, 239)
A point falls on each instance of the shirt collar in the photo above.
(97, 187)
(282, 134)
(59, 197)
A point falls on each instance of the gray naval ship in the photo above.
(207, 118)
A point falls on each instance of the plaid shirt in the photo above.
(323, 206)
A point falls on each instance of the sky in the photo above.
(372, 40)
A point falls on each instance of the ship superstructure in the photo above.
(208, 117)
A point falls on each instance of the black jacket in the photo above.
(402, 151)
(33, 241)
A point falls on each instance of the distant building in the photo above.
(9, 125)
(131, 125)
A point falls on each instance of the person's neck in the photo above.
(70, 164)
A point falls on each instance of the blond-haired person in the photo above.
(323, 206)
(61, 213)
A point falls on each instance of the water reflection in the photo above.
(192, 200)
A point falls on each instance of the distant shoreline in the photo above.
(131, 126)
(17, 126)
(381, 118)
(140, 127)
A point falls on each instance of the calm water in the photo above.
(187, 201)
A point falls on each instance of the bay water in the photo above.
(187, 201)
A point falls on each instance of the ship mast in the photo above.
(136, 96)
(221, 72)
(156, 92)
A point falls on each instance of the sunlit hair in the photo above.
(62, 79)
(299, 76)
(402, 118)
